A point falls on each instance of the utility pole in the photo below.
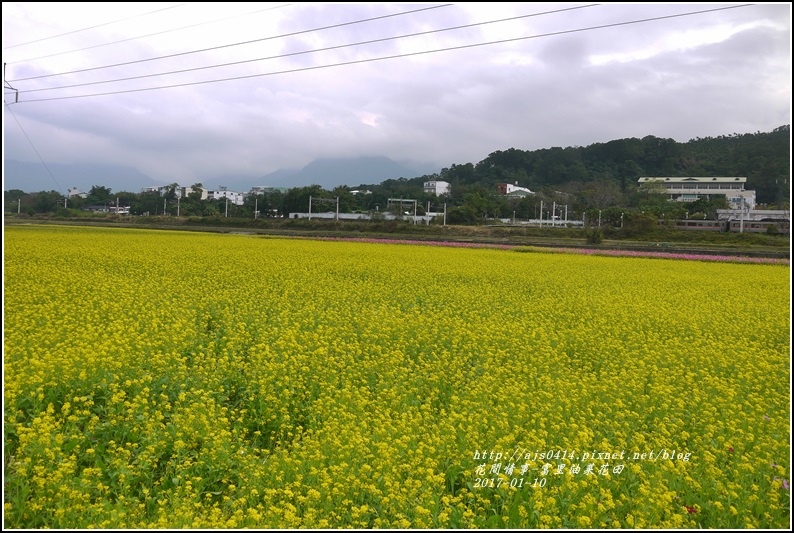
(781, 185)
(226, 196)
(741, 216)
(8, 86)
(325, 200)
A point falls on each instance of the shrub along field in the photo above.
(172, 379)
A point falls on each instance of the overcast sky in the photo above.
(560, 75)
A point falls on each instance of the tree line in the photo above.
(597, 180)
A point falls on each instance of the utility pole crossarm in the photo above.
(8, 85)
(324, 200)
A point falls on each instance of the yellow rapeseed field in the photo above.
(175, 379)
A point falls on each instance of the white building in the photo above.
(161, 190)
(688, 189)
(237, 198)
(742, 200)
(508, 189)
(265, 189)
(754, 215)
(179, 190)
(438, 188)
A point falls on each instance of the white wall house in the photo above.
(742, 200)
(161, 189)
(689, 189)
(438, 188)
(508, 189)
(266, 189)
(237, 198)
(180, 191)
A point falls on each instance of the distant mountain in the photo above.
(330, 173)
(34, 177)
(244, 183)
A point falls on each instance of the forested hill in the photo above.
(764, 158)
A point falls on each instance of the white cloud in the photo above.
(708, 74)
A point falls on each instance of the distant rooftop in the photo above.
(695, 180)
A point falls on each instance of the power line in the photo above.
(143, 37)
(303, 52)
(93, 27)
(346, 63)
(237, 44)
(32, 145)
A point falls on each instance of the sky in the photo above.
(186, 92)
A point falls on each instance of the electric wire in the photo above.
(142, 37)
(292, 54)
(94, 27)
(236, 44)
(411, 54)
(32, 145)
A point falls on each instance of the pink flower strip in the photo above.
(583, 251)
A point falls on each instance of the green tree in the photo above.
(196, 191)
(638, 223)
(376, 201)
(296, 200)
(170, 193)
(47, 202)
(601, 194)
(628, 174)
(482, 202)
(13, 200)
(522, 207)
(464, 214)
(459, 174)
(210, 209)
(707, 205)
(347, 201)
(125, 199)
(651, 197)
(147, 203)
(99, 195)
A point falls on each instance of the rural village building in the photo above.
(691, 189)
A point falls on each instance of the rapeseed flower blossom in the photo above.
(185, 380)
